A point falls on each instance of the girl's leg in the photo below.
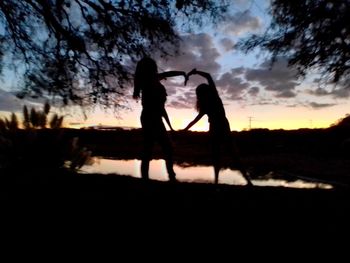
(148, 142)
(246, 176)
(234, 152)
(216, 159)
(165, 143)
(216, 172)
(146, 158)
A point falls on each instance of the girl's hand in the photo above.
(186, 79)
(193, 71)
(187, 76)
(136, 97)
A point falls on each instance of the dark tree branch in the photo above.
(311, 34)
(76, 49)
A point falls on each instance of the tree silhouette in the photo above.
(342, 122)
(79, 49)
(312, 34)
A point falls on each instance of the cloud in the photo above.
(312, 104)
(238, 71)
(254, 91)
(240, 23)
(341, 92)
(232, 85)
(181, 104)
(242, 2)
(280, 79)
(184, 99)
(196, 51)
(9, 102)
(286, 94)
(317, 105)
(227, 44)
(318, 92)
(265, 102)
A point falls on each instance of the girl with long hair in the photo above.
(210, 104)
(153, 98)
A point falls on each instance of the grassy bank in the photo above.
(137, 212)
(156, 214)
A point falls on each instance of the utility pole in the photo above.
(250, 122)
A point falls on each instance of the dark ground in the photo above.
(126, 218)
(179, 217)
(223, 208)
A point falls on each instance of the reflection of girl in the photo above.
(147, 80)
(209, 103)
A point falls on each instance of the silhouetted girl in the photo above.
(209, 103)
(147, 81)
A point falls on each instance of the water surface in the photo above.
(157, 171)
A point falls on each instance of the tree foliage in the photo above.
(313, 34)
(342, 122)
(79, 50)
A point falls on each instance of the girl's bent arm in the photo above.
(204, 75)
(168, 74)
(199, 116)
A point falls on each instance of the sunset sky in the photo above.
(254, 95)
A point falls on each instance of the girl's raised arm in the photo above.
(204, 75)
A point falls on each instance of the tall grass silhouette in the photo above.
(39, 143)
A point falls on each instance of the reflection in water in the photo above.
(157, 171)
(293, 184)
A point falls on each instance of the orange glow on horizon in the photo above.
(267, 117)
(262, 117)
(203, 125)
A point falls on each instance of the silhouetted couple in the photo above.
(147, 80)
